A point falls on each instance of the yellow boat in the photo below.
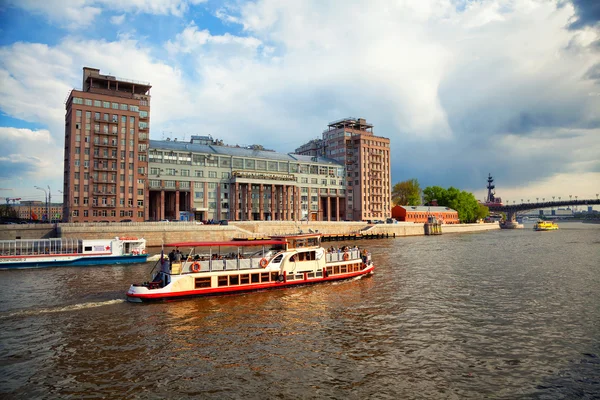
(545, 226)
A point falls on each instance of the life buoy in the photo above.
(144, 252)
(346, 256)
(263, 263)
(195, 267)
(134, 252)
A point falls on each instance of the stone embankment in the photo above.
(158, 233)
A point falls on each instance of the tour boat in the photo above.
(39, 253)
(282, 261)
(545, 226)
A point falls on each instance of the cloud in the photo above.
(30, 154)
(117, 19)
(76, 14)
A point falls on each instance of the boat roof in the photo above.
(232, 243)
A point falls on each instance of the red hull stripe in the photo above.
(232, 243)
(234, 289)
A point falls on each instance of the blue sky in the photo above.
(462, 88)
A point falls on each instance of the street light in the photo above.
(45, 198)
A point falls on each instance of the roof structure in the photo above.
(237, 152)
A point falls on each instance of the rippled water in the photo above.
(503, 314)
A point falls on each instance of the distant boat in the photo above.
(545, 226)
(40, 253)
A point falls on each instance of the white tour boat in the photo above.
(39, 253)
(283, 261)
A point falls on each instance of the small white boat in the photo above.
(283, 261)
(40, 253)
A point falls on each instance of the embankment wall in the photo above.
(158, 233)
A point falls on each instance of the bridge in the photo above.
(511, 211)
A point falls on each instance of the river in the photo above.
(510, 314)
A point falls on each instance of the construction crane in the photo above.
(13, 200)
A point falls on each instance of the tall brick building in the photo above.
(366, 157)
(107, 131)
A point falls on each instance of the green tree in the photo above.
(464, 203)
(407, 193)
(6, 211)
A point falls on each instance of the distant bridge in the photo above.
(512, 210)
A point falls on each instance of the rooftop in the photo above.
(237, 152)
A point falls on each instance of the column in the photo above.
(328, 208)
(162, 205)
(319, 211)
(219, 201)
(191, 199)
(272, 202)
(205, 200)
(177, 205)
(337, 208)
(261, 205)
(233, 201)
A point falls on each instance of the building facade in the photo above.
(203, 181)
(107, 131)
(420, 214)
(366, 158)
(35, 210)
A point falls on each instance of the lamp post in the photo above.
(45, 198)
(49, 204)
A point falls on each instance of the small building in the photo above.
(419, 214)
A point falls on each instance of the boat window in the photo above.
(264, 277)
(277, 259)
(255, 278)
(274, 276)
(234, 279)
(203, 282)
(222, 281)
(244, 279)
(336, 269)
(87, 248)
(343, 269)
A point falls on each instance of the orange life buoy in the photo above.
(134, 252)
(263, 263)
(346, 256)
(144, 252)
(195, 267)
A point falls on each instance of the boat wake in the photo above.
(59, 309)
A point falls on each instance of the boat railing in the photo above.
(229, 264)
(336, 256)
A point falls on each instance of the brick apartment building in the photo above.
(366, 157)
(106, 145)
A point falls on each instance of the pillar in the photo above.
(218, 201)
(261, 205)
(249, 194)
(272, 202)
(337, 208)
(162, 205)
(233, 201)
(177, 205)
(328, 208)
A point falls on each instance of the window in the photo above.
(134, 108)
(124, 107)
(212, 174)
(88, 102)
(77, 100)
(106, 104)
(199, 174)
(115, 106)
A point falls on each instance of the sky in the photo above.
(462, 88)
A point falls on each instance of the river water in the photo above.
(501, 314)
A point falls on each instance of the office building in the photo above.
(205, 180)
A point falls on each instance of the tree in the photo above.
(6, 211)
(464, 203)
(407, 193)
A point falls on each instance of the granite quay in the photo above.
(157, 233)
